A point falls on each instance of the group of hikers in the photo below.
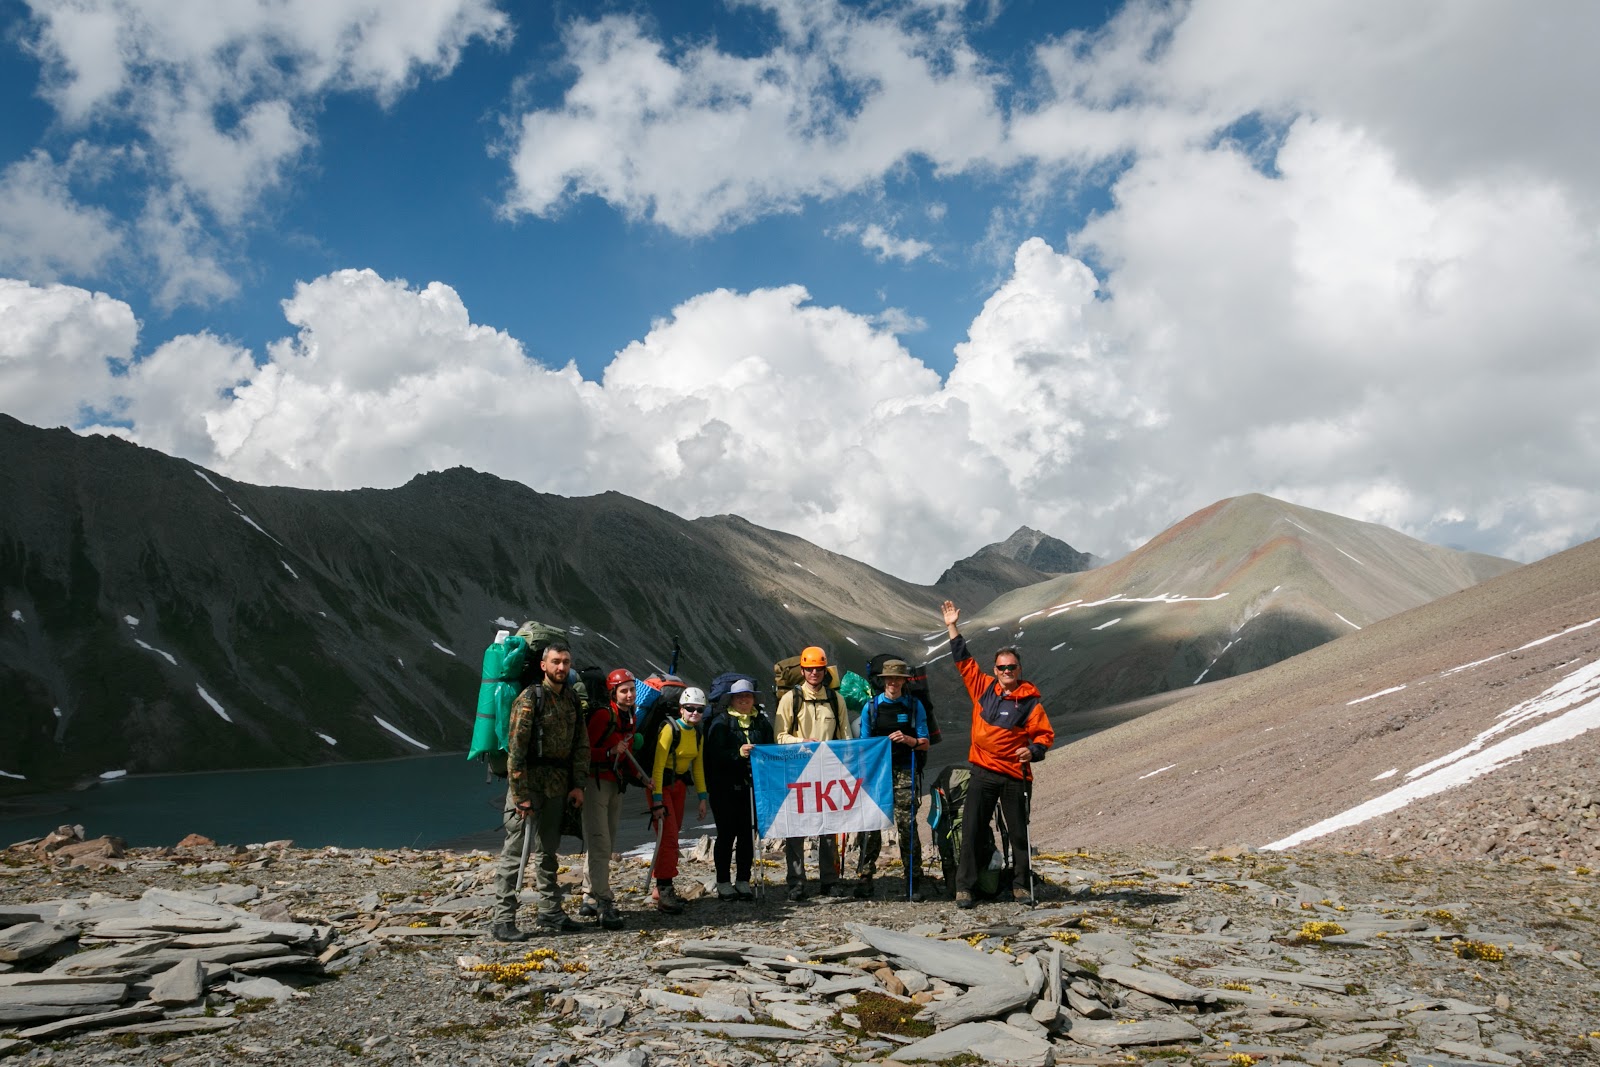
(560, 757)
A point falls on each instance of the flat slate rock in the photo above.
(992, 1042)
(198, 1024)
(1351, 1044)
(800, 1016)
(62, 993)
(1123, 1034)
(722, 949)
(749, 1031)
(713, 1010)
(260, 989)
(109, 959)
(155, 926)
(29, 939)
(1155, 983)
(954, 961)
(698, 962)
(981, 1002)
(138, 1013)
(1107, 948)
(1305, 979)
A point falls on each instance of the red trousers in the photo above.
(671, 823)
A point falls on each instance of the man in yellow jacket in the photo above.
(812, 712)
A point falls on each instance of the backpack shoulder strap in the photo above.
(538, 714)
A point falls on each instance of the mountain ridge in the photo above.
(157, 616)
(1267, 754)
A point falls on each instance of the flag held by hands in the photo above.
(823, 787)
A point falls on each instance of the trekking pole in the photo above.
(672, 665)
(1027, 847)
(913, 861)
(756, 856)
(527, 846)
(658, 819)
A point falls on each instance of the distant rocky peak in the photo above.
(1040, 551)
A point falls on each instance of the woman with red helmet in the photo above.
(610, 744)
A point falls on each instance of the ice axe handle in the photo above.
(527, 846)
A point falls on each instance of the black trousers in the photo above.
(985, 790)
(736, 831)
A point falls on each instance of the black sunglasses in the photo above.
(1008, 666)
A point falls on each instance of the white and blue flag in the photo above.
(823, 787)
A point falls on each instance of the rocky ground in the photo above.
(203, 954)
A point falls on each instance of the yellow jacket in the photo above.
(690, 756)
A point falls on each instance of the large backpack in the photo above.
(916, 685)
(511, 663)
(717, 695)
(504, 662)
(947, 801)
(590, 684)
(786, 674)
(655, 705)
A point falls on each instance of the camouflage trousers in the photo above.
(905, 820)
(544, 822)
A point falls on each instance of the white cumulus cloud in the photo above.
(218, 100)
(59, 347)
(698, 139)
(45, 234)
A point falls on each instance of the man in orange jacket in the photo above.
(1010, 733)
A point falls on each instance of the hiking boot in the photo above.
(668, 901)
(725, 891)
(556, 922)
(609, 917)
(798, 892)
(507, 932)
(743, 891)
(963, 899)
(863, 890)
(589, 910)
(914, 894)
(1022, 896)
(834, 889)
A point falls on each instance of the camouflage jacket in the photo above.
(548, 752)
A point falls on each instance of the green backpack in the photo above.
(510, 665)
(947, 801)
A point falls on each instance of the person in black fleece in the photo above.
(730, 735)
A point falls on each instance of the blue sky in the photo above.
(897, 277)
(414, 190)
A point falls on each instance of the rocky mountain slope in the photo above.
(1461, 728)
(160, 617)
(1040, 551)
(155, 616)
(1024, 558)
(1235, 587)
